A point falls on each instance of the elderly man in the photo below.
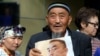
(58, 19)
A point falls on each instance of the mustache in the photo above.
(57, 24)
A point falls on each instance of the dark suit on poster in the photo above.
(81, 43)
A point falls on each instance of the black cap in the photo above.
(59, 4)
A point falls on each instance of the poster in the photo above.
(52, 47)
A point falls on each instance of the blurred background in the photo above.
(31, 14)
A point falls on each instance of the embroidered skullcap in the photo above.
(58, 4)
(9, 31)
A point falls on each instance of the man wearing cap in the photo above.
(10, 40)
(58, 19)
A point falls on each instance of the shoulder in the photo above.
(77, 33)
(80, 35)
(1, 49)
(39, 36)
(2, 52)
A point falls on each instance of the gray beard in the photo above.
(56, 35)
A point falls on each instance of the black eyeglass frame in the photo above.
(94, 24)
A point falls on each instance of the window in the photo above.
(9, 14)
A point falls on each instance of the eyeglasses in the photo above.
(94, 24)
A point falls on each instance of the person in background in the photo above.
(57, 47)
(87, 22)
(58, 20)
(10, 40)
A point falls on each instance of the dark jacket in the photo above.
(81, 42)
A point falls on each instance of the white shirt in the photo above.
(69, 44)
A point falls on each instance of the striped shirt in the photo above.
(95, 44)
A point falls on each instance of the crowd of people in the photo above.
(82, 42)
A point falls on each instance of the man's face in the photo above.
(12, 43)
(57, 49)
(58, 19)
(91, 28)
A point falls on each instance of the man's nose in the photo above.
(51, 53)
(57, 19)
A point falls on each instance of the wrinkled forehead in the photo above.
(59, 11)
(54, 44)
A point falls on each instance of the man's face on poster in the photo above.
(57, 48)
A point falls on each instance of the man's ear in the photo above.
(47, 18)
(83, 24)
(70, 19)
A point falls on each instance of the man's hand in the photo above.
(34, 52)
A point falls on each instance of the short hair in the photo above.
(59, 40)
(84, 14)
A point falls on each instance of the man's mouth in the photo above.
(57, 25)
